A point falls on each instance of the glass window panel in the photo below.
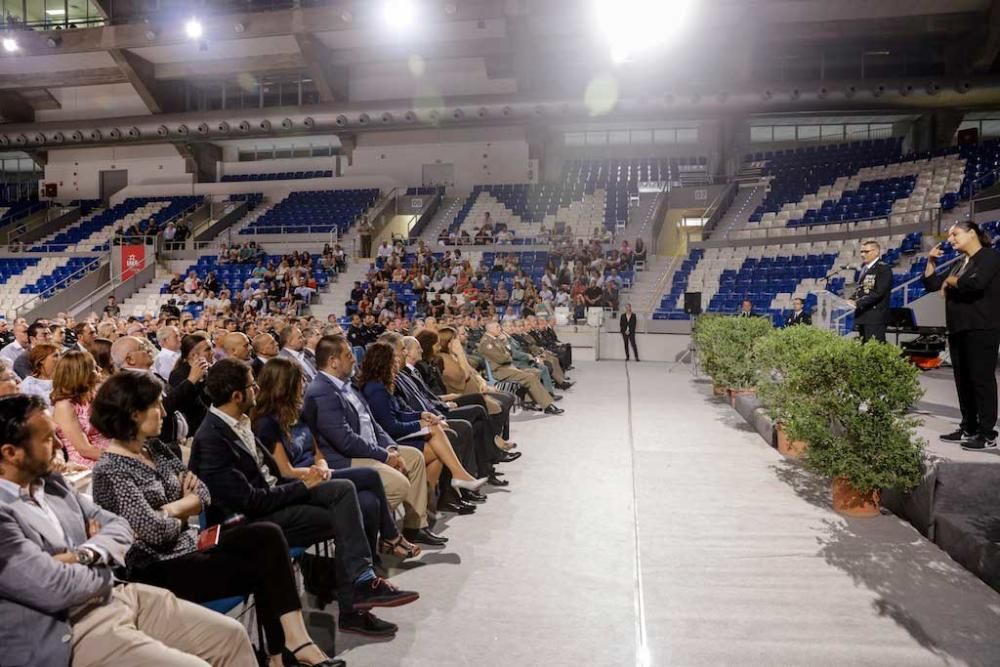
(759, 133)
(784, 133)
(575, 138)
(687, 135)
(832, 131)
(597, 138)
(990, 127)
(618, 137)
(807, 132)
(641, 137)
(665, 136)
(856, 131)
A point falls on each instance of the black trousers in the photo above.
(250, 558)
(630, 338)
(974, 360)
(871, 331)
(486, 452)
(331, 513)
(507, 401)
(500, 422)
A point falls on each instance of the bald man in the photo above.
(236, 345)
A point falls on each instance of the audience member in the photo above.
(73, 383)
(43, 359)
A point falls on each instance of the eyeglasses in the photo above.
(253, 386)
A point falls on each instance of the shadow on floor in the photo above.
(945, 609)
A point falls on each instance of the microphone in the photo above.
(835, 270)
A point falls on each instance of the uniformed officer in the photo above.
(494, 349)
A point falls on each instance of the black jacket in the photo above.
(627, 323)
(872, 296)
(798, 318)
(220, 460)
(975, 303)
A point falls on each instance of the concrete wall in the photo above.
(77, 170)
(230, 165)
(484, 155)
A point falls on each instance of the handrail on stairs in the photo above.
(661, 284)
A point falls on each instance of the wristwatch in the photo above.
(86, 556)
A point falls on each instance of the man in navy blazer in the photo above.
(59, 603)
(243, 478)
(349, 436)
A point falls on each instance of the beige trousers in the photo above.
(528, 378)
(409, 489)
(143, 626)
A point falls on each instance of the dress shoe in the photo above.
(557, 397)
(379, 592)
(510, 456)
(424, 536)
(456, 507)
(553, 410)
(473, 497)
(496, 481)
(468, 485)
(365, 623)
(565, 385)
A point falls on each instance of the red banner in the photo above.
(133, 260)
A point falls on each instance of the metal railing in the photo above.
(67, 282)
(661, 284)
(931, 217)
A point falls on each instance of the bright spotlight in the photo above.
(399, 14)
(632, 27)
(10, 45)
(193, 29)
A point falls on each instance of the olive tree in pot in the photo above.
(852, 411)
(779, 355)
(734, 352)
(706, 333)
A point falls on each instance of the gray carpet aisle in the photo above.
(742, 561)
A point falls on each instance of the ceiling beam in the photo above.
(990, 48)
(40, 99)
(316, 57)
(139, 72)
(467, 48)
(14, 109)
(226, 68)
(65, 79)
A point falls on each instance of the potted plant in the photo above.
(734, 352)
(856, 425)
(778, 355)
(706, 332)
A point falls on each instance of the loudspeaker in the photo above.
(51, 190)
(692, 303)
(902, 318)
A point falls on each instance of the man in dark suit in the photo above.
(349, 436)
(746, 309)
(871, 299)
(627, 324)
(59, 602)
(799, 314)
(244, 478)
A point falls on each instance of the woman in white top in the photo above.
(43, 358)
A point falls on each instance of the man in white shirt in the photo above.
(170, 351)
(292, 344)
(19, 346)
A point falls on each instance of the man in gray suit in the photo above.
(59, 602)
(293, 345)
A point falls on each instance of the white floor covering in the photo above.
(741, 560)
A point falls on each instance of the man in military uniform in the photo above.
(871, 300)
(494, 349)
(521, 333)
(526, 361)
(544, 333)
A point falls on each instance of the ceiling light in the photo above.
(55, 12)
(10, 45)
(399, 14)
(633, 27)
(193, 29)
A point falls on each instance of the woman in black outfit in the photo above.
(196, 348)
(972, 314)
(139, 479)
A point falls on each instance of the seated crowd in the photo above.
(577, 276)
(217, 449)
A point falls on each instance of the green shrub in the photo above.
(851, 407)
(734, 350)
(706, 334)
(779, 354)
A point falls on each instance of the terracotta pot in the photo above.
(733, 393)
(793, 449)
(850, 502)
(718, 390)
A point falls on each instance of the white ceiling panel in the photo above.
(236, 48)
(58, 63)
(85, 102)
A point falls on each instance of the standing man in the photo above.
(871, 300)
(972, 314)
(627, 323)
(365, 230)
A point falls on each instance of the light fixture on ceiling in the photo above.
(193, 28)
(633, 27)
(399, 14)
(56, 12)
(10, 45)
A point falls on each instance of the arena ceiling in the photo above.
(137, 58)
